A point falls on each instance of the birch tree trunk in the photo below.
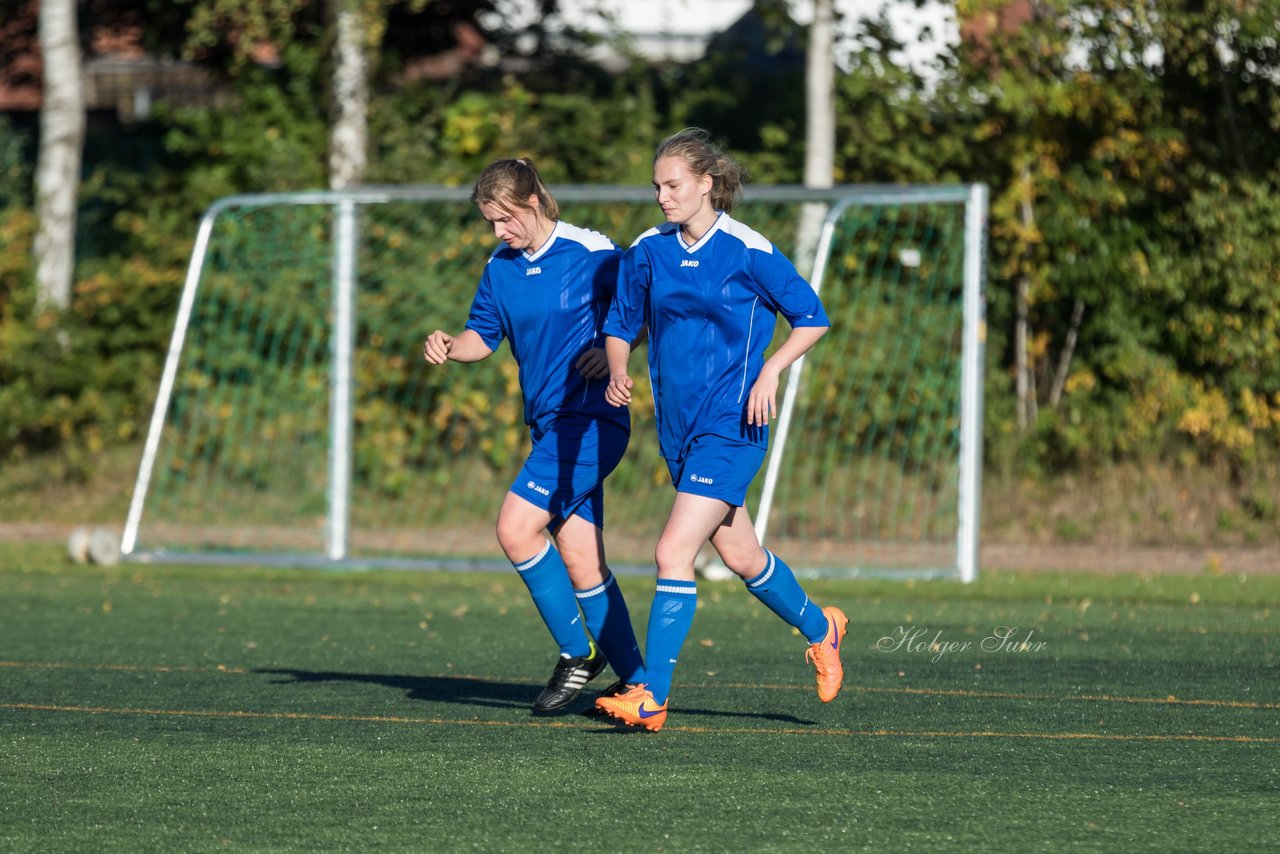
(1064, 358)
(61, 148)
(349, 135)
(1024, 379)
(820, 130)
(820, 97)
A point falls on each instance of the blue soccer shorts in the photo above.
(716, 467)
(566, 468)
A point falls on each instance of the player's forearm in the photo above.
(796, 345)
(618, 391)
(468, 346)
(617, 350)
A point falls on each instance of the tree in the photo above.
(1129, 147)
(61, 148)
(348, 133)
(820, 97)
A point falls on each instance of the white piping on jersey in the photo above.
(546, 245)
(657, 412)
(720, 217)
(595, 341)
(746, 357)
(531, 562)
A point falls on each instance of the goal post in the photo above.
(296, 423)
(916, 553)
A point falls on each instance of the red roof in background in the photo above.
(118, 71)
(20, 66)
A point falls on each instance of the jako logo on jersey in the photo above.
(688, 263)
(542, 490)
(533, 271)
(697, 478)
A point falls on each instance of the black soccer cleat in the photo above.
(613, 690)
(567, 680)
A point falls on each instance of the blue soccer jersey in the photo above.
(711, 308)
(550, 306)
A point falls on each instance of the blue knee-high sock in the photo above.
(609, 622)
(777, 588)
(674, 603)
(548, 582)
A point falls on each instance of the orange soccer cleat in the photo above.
(825, 656)
(635, 707)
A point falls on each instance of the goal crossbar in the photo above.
(835, 258)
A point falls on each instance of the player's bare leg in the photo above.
(736, 542)
(693, 519)
(771, 581)
(581, 544)
(520, 529)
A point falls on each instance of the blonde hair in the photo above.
(510, 183)
(700, 154)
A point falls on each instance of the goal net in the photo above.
(296, 422)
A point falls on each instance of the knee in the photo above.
(673, 559)
(518, 541)
(746, 561)
(583, 560)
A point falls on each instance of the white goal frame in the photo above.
(336, 553)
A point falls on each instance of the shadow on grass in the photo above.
(470, 691)
(461, 690)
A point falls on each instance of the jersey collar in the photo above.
(721, 216)
(546, 245)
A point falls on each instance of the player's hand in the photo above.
(437, 346)
(593, 364)
(762, 403)
(618, 391)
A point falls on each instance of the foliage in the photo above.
(1129, 150)
(1121, 145)
(273, 138)
(447, 137)
(15, 165)
(76, 382)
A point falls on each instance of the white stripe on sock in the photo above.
(533, 561)
(768, 571)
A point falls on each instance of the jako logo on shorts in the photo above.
(542, 490)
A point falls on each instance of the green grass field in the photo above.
(183, 709)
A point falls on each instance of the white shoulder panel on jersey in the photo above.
(749, 236)
(593, 241)
(665, 228)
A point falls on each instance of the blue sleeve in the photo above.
(605, 281)
(485, 319)
(627, 313)
(786, 289)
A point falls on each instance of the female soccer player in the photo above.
(546, 289)
(709, 290)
